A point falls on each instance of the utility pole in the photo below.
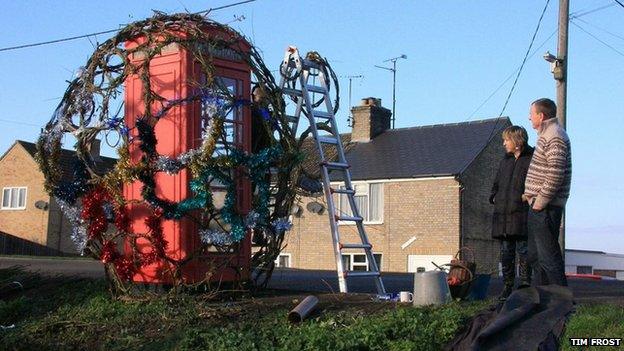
(562, 54)
(562, 88)
(393, 70)
(559, 68)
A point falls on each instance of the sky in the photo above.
(461, 62)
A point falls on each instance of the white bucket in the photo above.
(431, 288)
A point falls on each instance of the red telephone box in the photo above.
(172, 74)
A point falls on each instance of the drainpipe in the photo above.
(60, 226)
(461, 211)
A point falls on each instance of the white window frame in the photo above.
(365, 263)
(10, 188)
(277, 264)
(338, 202)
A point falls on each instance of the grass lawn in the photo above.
(73, 313)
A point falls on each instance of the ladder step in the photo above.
(292, 92)
(349, 218)
(361, 274)
(342, 191)
(356, 246)
(328, 140)
(305, 64)
(315, 89)
(335, 165)
(322, 114)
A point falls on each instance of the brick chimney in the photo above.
(369, 120)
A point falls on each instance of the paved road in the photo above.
(316, 281)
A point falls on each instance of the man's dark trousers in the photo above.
(544, 251)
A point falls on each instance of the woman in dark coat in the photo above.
(509, 222)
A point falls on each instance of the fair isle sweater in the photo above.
(550, 172)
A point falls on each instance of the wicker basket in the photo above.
(461, 273)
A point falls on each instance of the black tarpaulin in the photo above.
(530, 319)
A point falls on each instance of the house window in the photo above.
(14, 198)
(584, 270)
(359, 262)
(368, 199)
(283, 260)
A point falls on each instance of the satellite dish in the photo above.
(315, 207)
(310, 185)
(42, 205)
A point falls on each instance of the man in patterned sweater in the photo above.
(547, 188)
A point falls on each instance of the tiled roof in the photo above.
(434, 150)
(67, 160)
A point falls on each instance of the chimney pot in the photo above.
(369, 120)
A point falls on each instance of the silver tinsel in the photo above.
(53, 135)
(79, 237)
(79, 231)
(168, 165)
(212, 107)
(215, 237)
(174, 165)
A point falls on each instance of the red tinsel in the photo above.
(122, 221)
(109, 252)
(125, 268)
(154, 223)
(149, 258)
(93, 212)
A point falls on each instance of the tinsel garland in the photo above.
(93, 212)
(73, 215)
(94, 203)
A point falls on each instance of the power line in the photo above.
(574, 15)
(56, 41)
(619, 3)
(598, 39)
(224, 7)
(108, 31)
(600, 28)
(510, 75)
(526, 56)
(22, 123)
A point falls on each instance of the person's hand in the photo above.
(524, 198)
(536, 208)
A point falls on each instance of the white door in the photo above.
(422, 263)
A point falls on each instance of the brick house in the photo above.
(423, 192)
(27, 212)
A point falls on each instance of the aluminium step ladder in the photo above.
(295, 75)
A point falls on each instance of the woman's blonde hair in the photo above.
(518, 135)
